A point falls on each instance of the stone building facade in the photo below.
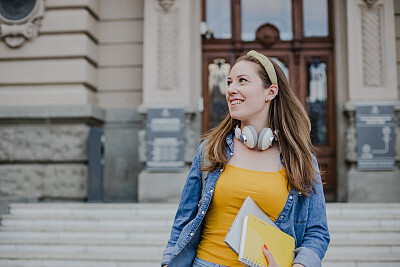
(68, 66)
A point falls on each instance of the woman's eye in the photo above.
(242, 80)
(228, 83)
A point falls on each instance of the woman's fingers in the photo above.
(270, 258)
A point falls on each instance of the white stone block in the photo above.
(120, 79)
(354, 249)
(336, 264)
(68, 21)
(48, 71)
(42, 95)
(121, 31)
(121, 9)
(50, 46)
(92, 5)
(119, 100)
(369, 187)
(154, 186)
(121, 55)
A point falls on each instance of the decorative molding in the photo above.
(167, 50)
(16, 31)
(166, 4)
(218, 73)
(372, 46)
(267, 34)
(370, 3)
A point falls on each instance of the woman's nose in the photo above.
(232, 89)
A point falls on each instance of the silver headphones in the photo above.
(249, 137)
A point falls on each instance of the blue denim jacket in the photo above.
(302, 217)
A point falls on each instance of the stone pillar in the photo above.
(372, 79)
(172, 79)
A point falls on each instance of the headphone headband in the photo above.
(267, 64)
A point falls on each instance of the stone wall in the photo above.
(43, 151)
(59, 66)
(120, 53)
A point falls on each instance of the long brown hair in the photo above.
(289, 118)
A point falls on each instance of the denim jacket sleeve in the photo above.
(187, 208)
(316, 237)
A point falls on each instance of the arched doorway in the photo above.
(298, 35)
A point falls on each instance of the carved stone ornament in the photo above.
(166, 4)
(370, 3)
(267, 34)
(20, 20)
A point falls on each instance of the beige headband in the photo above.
(266, 62)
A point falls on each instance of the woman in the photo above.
(280, 173)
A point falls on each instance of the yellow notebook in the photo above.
(255, 233)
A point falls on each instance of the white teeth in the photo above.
(236, 102)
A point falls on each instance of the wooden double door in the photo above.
(301, 45)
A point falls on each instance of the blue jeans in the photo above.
(202, 263)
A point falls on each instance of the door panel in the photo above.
(307, 56)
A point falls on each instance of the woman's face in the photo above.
(246, 94)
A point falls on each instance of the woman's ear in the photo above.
(271, 92)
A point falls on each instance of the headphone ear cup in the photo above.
(264, 139)
(251, 136)
(238, 132)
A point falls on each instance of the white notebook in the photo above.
(232, 238)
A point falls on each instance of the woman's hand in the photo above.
(269, 257)
(271, 261)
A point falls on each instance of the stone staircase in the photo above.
(81, 234)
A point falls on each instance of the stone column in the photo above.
(172, 79)
(372, 79)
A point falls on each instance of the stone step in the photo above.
(145, 242)
(85, 210)
(122, 233)
(103, 248)
(55, 242)
(133, 256)
(90, 228)
(78, 259)
(93, 234)
(363, 249)
(90, 234)
(74, 263)
(365, 233)
(104, 210)
(115, 259)
(156, 247)
(362, 258)
(359, 264)
(387, 221)
(63, 221)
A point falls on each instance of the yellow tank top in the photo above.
(268, 189)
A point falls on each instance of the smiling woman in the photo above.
(261, 149)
